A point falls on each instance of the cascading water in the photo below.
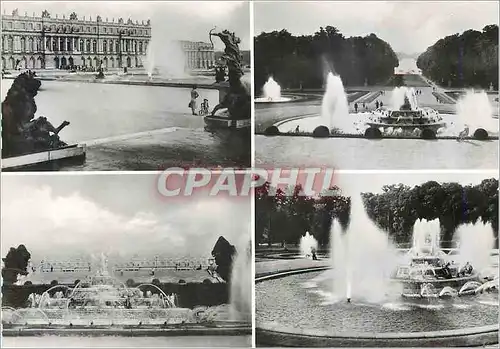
(474, 109)
(475, 244)
(363, 257)
(241, 283)
(272, 90)
(307, 244)
(334, 107)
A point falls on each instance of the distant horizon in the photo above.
(408, 26)
(398, 53)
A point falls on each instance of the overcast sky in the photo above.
(181, 20)
(114, 213)
(409, 26)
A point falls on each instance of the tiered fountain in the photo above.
(404, 119)
(102, 305)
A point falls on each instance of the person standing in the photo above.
(193, 103)
(356, 107)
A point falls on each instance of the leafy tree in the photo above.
(469, 59)
(286, 218)
(304, 61)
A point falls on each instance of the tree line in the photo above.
(469, 59)
(285, 218)
(303, 61)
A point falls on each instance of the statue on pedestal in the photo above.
(22, 133)
(237, 100)
(223, 253)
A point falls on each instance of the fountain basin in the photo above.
(282, 99)
(446, 129)
(292, 312)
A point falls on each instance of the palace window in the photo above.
(88, 46)
(23, 25)
(104, 29)
(38, 26)
(88, 29)
(10, 44)
(111, 46)
(62, 45)
(140, 47)
(30, 45)
(31, 26)
(81, 45)
(94, 30)
(54, 44)
(9, 25)
(117, 46)
(104, 46)
(94, 46)
(23, 44)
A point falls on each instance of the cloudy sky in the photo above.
(181, 20)
(114, 213)
(409, 26)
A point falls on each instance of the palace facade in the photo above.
(63, 43)
(198, 55)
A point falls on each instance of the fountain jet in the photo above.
(334, 107)
(475, 111)
(362, 257)
(241, 283)
(307, 244)
(272, 90)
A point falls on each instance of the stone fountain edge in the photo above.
(275, 334)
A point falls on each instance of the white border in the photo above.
(252, 163)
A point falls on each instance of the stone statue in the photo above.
(237, 100)
(45, 14)
(406, 105)
(223, 252)
(73, 16)
(22, 133)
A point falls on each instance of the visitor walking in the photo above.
(356, 107)
(376, 104)
(381, 104)
(194, 96)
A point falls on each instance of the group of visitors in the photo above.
(365, 106)
(193, 104)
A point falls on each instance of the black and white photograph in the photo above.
(368, 85)
(107, 261)
(389, 260)
(109, 85)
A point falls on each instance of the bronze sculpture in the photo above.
(22, 133)
(237, 100)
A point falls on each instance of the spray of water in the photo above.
(426, 238)
(166, 58)
(398, 97)
(241, 283)
(363, 257)
(474, 109)
(475, 244)
(272, 90)
(334, 107)
(307, 244)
